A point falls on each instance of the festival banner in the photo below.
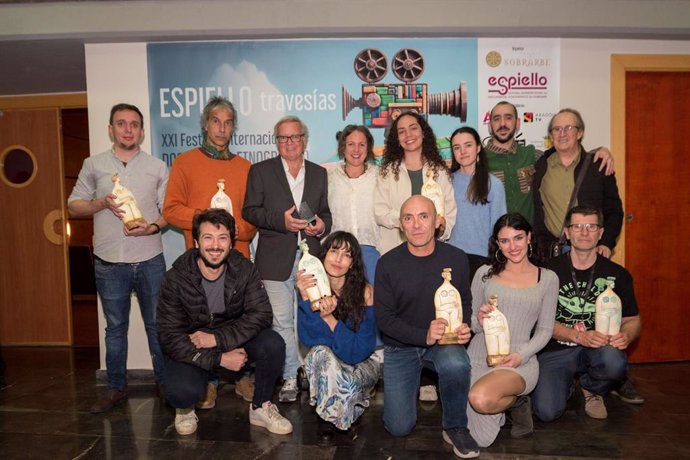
(327, 83)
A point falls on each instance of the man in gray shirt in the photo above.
(127, 259)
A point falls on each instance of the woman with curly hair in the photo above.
(341, 331)
(410, 159)
(527, 296)
(480, 197)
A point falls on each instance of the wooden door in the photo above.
(657, 121)
(34, 306)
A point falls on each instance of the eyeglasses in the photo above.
(580, 227)
(564, 129)
(294, 138)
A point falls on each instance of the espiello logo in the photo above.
(503, 83)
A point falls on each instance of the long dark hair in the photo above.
(393, 153)
(351, 304)
(478, 190)
(513, 220)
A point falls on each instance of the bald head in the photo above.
(417, 201)
(419, 221)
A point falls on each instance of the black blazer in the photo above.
(268, 197)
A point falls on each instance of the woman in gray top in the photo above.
(527, 297)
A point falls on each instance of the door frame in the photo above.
(44, 101)
(56, 102)
(620, 64)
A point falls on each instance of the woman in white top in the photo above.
(351, 192)
(410, 159)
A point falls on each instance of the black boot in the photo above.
(325, 436)
(521, 415)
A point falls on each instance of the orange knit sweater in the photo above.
(192, 184)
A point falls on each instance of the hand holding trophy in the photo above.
(609, 311)
(449, 307)
(313, 266)
(496, 334)
(132, 216)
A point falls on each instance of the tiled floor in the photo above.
(44, 415)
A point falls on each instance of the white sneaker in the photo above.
(289, 391)
(428, 393)
(267, 416)
(185, 421)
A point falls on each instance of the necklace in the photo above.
(356, 177)
(581, 293)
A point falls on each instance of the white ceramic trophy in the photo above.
(496, 334)
(432, 190)
(127, 202)
(313, 266)
(449, 307)
(609, 311)
(220, 199)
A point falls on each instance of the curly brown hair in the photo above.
(393, 153)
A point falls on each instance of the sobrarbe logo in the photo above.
(493, 58)
(504, 83)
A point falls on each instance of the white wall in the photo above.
(586, 75)
(114, 74)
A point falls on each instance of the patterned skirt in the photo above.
(339, 392)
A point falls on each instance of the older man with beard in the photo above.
(214, 313)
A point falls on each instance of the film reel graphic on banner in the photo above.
(382, 103)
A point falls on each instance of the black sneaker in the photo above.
(628, 394)
(464, 445)
(325, 435)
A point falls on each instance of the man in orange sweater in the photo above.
(195, 174)
(192, 185)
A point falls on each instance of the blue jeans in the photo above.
(370, 257)
(186, 383)
(599, 369)
(283, 300)
(115, 283)
(402, 367)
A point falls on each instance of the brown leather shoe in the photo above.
(111, 399)
(208, 400)
(244, 388)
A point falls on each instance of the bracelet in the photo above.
(158, 228)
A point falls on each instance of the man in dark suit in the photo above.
(287, 200)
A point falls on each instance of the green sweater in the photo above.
(515, 168)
